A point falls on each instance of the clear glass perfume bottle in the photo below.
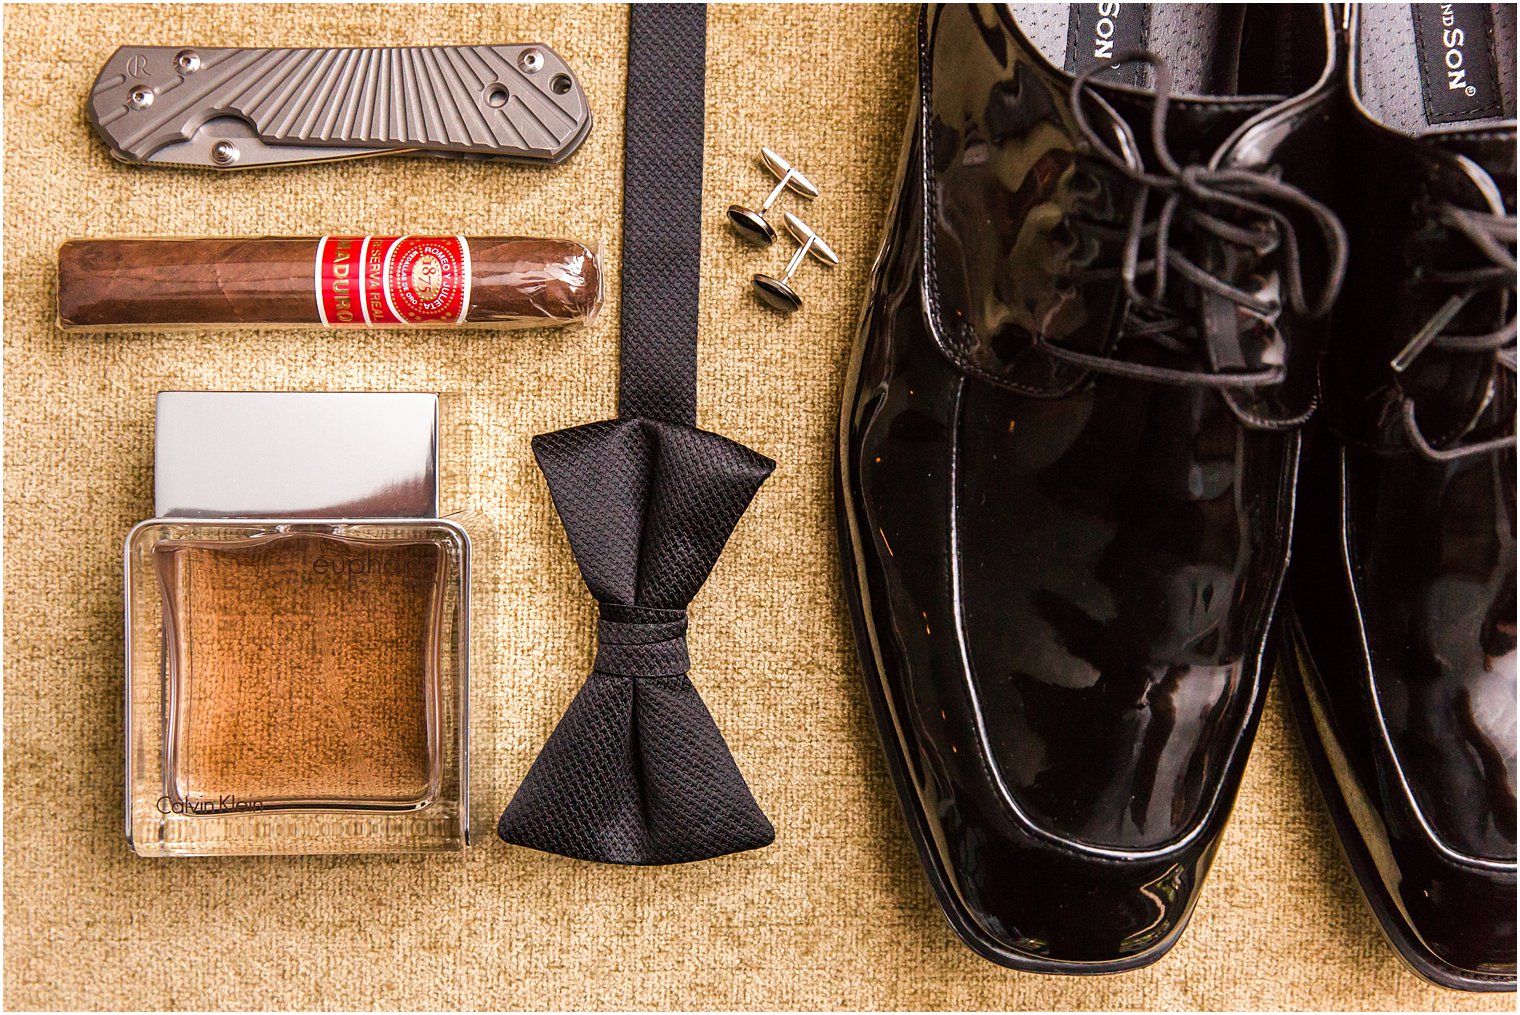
(297, 621)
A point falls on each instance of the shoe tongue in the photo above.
(1489, 156)
(1232, 340)
(1457, 394)
(1197, 129)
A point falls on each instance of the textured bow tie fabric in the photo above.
(636, 772)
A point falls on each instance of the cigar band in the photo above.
(376, 281)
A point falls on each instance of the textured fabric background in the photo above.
(836, 913)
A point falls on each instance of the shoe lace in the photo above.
(1200, 197)
(1494, 237)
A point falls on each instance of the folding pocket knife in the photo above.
(241, 108)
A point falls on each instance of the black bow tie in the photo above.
(637, 772)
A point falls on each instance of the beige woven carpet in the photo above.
(836, 913)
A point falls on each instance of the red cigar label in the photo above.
(373, 281)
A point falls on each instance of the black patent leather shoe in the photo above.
(1067, 451)
(1401, 657)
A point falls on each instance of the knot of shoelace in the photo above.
(1493, 236)
(1246, 208)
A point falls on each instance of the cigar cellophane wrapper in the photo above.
(331, 281)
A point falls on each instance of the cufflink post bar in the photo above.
(778, 291)
(750, 223)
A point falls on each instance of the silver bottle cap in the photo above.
(271, 454)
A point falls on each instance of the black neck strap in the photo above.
(637, 771)
(662, 211)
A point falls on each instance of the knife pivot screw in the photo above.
(188, 61)
(750, 223)
(778, 292)
(141, 98)
(224, 153)
(531, 61)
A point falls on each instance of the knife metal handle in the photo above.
(234, 108)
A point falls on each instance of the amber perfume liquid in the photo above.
(296, 687)
(303, 670)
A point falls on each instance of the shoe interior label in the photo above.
(1458, 76)
(1099, 33)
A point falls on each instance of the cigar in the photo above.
(332, 281)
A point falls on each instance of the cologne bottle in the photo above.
(297, 631)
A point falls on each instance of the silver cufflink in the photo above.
(778, 291)
(750, 223)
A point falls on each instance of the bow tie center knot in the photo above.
(638, 641)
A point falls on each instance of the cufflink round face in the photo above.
(777, 293)
(750, 224)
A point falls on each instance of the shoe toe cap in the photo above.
(1029, 902)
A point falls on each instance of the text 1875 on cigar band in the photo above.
(371, 281)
